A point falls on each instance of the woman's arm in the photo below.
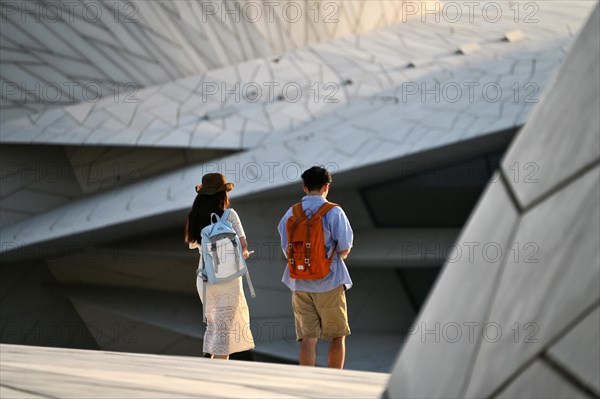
(237, 226)
(244, 243)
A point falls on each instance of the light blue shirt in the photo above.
(336, 228)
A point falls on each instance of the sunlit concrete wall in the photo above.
(522, 319)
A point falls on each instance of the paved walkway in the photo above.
(28, 371)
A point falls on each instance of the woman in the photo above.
(227, 317)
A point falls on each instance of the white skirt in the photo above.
(227, 317)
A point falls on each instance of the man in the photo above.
(320, 304)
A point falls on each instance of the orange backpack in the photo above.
(307, 259)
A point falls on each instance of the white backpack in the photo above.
(222, 258)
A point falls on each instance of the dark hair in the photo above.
(199, 216)
(316, 177)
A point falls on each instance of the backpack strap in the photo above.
(203, 298)
(218, 219)
(204, 301)
(213, 250)
(225, 214)
(326, 207)
(250, 285)
(298, 212)
(299, 216)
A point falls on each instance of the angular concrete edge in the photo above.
(545, 286)
(561, 214)
(540, 381)
(578, 352)
(449, 326)
(560, 141)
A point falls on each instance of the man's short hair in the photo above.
(315, 178)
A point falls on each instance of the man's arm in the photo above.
(344, 254)
(341, 232)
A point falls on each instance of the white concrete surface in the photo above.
(141, 44)
(41, 372)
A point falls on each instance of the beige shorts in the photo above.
(321, 314)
